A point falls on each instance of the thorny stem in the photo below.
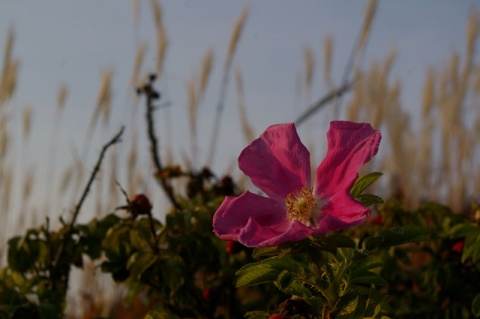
(151, 95)
(113, 141)
(96, 169)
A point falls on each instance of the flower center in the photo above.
(300, 205)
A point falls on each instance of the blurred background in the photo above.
(226, 71)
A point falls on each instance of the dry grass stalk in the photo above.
(28, 183)
(132, 162)
(78, 170)
(10, 67)
(195, 92)
(309, 69)
(367, 23)
(328, 60)
(192, 114)
(113, 177)
(472, 35)
(162, 40)
(136, 10)
(104, 99)
(414, 162)
(137, 66)
(27, 122)
(428, 93)
(235, 37)
(61, 99)
(66, 179)
(7, 187)
(207, 65)
(4, 138)
(247, 128)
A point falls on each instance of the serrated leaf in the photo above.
(368, 199)
(363, 183)
(264, 271)
(464, 230)
(394, 236)
(286, 283)
(369, 278)
(264, 251)
(342, 241)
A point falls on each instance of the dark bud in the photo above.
(227, 187)
(193, 188)
(152, 77)
(155, 95)
(207, 173)
(139, 91)
(233, 247)
(140, 205)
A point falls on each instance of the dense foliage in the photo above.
(399, 263)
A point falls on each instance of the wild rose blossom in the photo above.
(279, 165)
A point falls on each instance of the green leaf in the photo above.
(394, 236)
(264, 252)
(21, 254)
(464, 230)
(369, 277)
(139, 263)
(368, 199)
(342, 241)
(363, 183)
(264, 271)
(287, 283)
(476, 306)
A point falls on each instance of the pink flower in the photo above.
(279, 165)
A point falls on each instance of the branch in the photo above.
(325, 100)
(151, 96)
(113, 141)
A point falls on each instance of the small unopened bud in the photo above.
(233, 247)
(458, 247)
(140, 205)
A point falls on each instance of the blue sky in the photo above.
(72, 42)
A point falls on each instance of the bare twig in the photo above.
(151, 95)
(54, 263)
(113, 141)
(322, 102)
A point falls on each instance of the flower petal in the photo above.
(277, 162)
(256, 221)
(350, 145)
(341, 211)
(257, 235)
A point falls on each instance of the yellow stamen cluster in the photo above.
(300, 205)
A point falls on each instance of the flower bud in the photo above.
(233, 247)
(458, 247)
(140, 205)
